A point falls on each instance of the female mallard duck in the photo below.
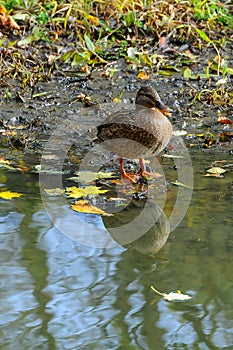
(138, 133)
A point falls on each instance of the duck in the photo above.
(139, 133)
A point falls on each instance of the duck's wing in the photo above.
(116, 125)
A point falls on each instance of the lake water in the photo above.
(57, 293)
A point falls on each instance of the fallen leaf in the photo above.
(84, 99)
(82, 206)
(9, 133)
(172, 296)
(88, 176)
(219, 60)
(223, 163)
(93, 20)
(51, 59)
(189, 54)
(225, 136)
(173, 156)
(221, 81)
(3, 161)
(116, 182)
(6, 20)
(116, 100)
(5, 164)
(9, 194)
(39, 169)
(177, 183)
(216, 170)
(162, 42)
(117, 199)
(214, 175)
(77, 192)
(179, 133)
(143, 75)
(209, 142)
(187, 73)
(224, 120)
(85, 69)
(54, 191)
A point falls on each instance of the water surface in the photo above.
(56, 293)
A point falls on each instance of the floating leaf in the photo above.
(76, 192)
(173, 156)
(88, 176)
(117, 199)
(10, 195)
(215, 172)
(39, 169)
(83, 206)
(173, 296)
(54, 191)
(177, 183)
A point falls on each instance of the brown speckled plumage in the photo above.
(140, 132)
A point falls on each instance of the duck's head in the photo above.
(148, 97)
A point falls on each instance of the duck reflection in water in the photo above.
(142, 226)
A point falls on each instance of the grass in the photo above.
(90, 33)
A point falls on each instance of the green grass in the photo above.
(98, 32)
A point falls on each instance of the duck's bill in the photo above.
(166, 112)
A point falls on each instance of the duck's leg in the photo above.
(133, 178)
(145, 173)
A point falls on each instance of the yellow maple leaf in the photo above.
(9, 194)
(82, 206)
(76, 192)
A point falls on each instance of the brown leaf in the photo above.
(224, 120)
(162, 42)
(6, 21)
(226, 136)
(82, 206)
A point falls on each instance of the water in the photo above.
(56, 293)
